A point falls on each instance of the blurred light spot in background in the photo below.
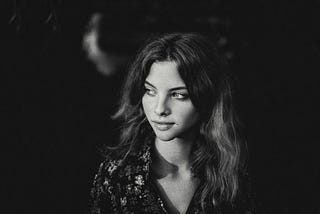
(106, 63)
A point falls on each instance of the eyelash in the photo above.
(179, 96)
(148, 92)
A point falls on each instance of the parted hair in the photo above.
(216, 155)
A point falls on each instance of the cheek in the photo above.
(187, 115)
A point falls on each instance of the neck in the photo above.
(172, 157)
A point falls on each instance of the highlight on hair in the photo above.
(217, 153)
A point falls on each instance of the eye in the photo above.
(180, 96)
(150, 91)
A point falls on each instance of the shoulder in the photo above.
(110, 165)
(119, 164)
(119, 168)
(106, 175)
(108, 169)
(104, 189)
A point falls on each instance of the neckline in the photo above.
(162, 201)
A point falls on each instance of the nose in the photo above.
(162, 107)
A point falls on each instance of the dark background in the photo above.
(55, 104)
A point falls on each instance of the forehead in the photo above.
(165, 74)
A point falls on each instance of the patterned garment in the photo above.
(125, 186)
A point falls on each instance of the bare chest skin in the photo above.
(177, 192)
(171, 170)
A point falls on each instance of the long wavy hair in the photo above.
(217, 153)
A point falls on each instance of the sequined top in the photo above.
(126, 186)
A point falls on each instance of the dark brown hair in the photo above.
(217, 155)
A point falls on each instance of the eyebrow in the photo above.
(171, 89)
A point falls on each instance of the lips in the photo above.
(162, 126)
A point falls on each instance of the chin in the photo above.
(165, 136)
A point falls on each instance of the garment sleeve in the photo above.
(102, 194)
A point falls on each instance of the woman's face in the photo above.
(166, 102)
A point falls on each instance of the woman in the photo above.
(179, 151)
